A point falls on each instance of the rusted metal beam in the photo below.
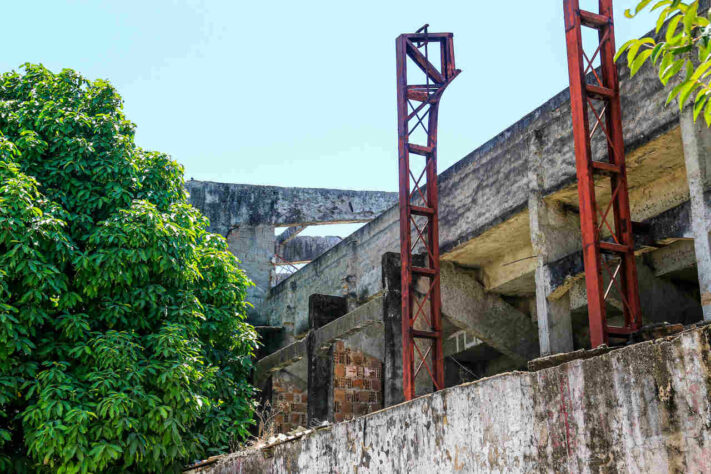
(601, 101)
(421, 314)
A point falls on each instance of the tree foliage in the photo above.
(682, 55)
(123, 345)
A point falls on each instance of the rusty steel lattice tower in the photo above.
(595, 94)
(417, 108)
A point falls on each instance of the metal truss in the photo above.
(608, 246)
(417, 106)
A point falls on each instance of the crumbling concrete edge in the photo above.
(267, 450)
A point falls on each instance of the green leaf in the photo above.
(699, 102)
(624, 48)
(662, 18)
(690, 17)
(671, 37)
(707, 114)
(632, 53)
(674, 92)
(686, 91)
(657, 52)
(671, 70)
(639, 61)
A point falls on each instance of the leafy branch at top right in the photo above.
(688, 32)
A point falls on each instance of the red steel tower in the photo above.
(417, 107)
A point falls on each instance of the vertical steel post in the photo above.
(418, 206)
(597, 94)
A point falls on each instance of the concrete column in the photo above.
(392, 322)
(696, 138)
(319, 406)
(554, 234)
(323, 309)
(254, 246)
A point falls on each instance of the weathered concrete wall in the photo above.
(228, 205)
(643, 408)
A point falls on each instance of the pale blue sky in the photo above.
(297, 93)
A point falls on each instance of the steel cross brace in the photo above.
(595, 95)
(417, 107)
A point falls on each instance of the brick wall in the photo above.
(357, 383)
(290, 402)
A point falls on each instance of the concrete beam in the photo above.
(289, 234)
(230, 205)
(486, 315)
(678, 256)
(303, 249)
(278, 360)
(659, 231)
(662, 300)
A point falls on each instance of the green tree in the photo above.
(123, 345)
(682, 55)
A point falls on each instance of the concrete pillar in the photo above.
(319, 406)
(392, 322)
(254, 247)
(696, 138)
(322, 310)
(554, 234)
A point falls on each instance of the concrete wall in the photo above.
(643, 408)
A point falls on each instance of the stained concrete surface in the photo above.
(644, 408)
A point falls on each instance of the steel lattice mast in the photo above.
(597, 96)
(417, 107)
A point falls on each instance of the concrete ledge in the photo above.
(284, 357)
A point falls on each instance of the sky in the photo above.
(298, 93)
